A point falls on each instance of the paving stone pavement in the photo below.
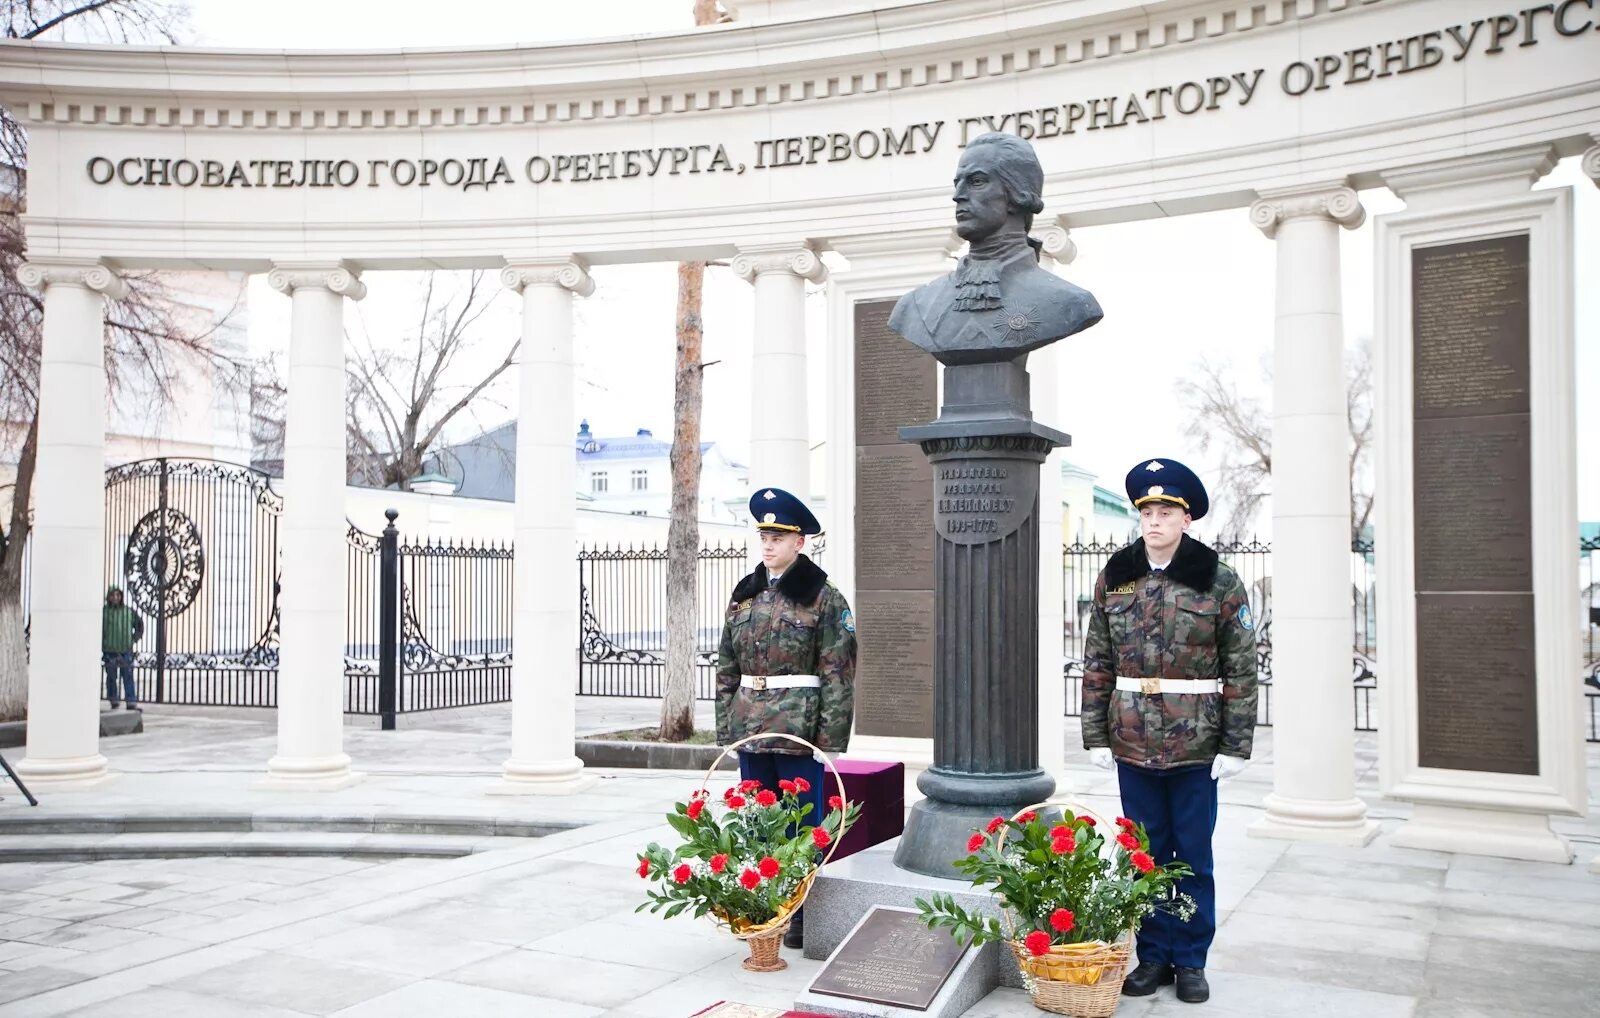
(545, 927)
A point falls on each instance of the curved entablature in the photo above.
(702, 142)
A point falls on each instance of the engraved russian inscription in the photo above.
(981, 500)
(1475, 683)
(894, 663)
(891, 958)
(1470, 322)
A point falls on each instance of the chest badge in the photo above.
(1126, 588)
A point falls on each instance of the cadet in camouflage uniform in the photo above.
(1169, 697)
(788, 659)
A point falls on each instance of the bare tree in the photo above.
(151, 341)
(401, 398)
(1240, 427)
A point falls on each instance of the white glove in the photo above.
(824, 757)
(1101, 758)
(1225, 767)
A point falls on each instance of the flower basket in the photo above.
(733, 870)
(1072, 890)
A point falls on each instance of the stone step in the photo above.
(175, 845)
(212, 821)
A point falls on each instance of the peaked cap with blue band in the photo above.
(776, 509)
(1164, 480)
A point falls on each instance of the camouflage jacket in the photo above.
(800, 626)
(1189, 621)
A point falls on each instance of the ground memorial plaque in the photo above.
(895, 385)
(1471, 446)
(892, 958)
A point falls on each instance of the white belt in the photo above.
(1151, 686)
(761, 682)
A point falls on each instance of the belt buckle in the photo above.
(1150, 686)
(758, 683)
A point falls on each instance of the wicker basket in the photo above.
(765, 938)
(1081, 980)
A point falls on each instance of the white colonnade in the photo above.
(1313, 796)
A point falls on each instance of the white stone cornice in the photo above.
(337, 277)
(797, 259)
(1057, 243)
(96, 276)
(567, 273)
(1504, 172)
(1591, 163)
(1332, 201)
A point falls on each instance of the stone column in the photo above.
(65, 680)
(1313, 795)
(544, 633)
(1591, 162)
(780, 441)
(311, 682)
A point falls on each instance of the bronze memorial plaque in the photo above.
(896, 385)
(890, 958)
(983, 500)
(1472, 508)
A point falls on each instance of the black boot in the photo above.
(1192, 988)
(795, 937)
(1142, 981)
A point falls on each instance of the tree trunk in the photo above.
(683, 528)
(13, 641)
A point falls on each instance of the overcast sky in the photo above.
(1172, 289)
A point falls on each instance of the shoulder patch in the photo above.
(847, 621)
(1245, 621)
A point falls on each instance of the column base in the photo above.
(309, 774)
(64, 774)
(1497, 833)
(543, 777)
(1321, 820)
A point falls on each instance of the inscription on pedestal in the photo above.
(891, 958)
(896, 385)
(1472, 455)
(980, 500)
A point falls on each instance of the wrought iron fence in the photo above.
(622, 596)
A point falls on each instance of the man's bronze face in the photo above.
(982, 206)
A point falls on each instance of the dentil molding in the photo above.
(800, 260)
(89, 275)
(336, 278)
(1337, 203)
(568, 273)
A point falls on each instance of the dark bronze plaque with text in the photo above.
(891, 958)
(896, 385)
(1472, 518)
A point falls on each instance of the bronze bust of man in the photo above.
(998, 304)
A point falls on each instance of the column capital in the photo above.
(90, 275)
(1057, 243)
(1591, 162)
(568, 273)
(1333, 201)
(336, 277)
(797, 259)
(1484, 176)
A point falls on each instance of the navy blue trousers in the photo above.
(1179, 811)
(770, 768)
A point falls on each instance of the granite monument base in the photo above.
(846, 891)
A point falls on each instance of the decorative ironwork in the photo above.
(165, 563)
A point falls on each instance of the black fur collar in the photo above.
(801, 584)
(1194, 565)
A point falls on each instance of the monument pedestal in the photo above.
(1495, 833)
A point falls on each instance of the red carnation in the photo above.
(749, 879)
(995, 824)
(975, 842)
(821, 837)
(696, 807)
(1063, 846)
(1126, 824)
(1142, 862)
(802, 786)
(1061, 920)
(1128, 842)
(728, 794)
(766, 797)
(749, 785)
(834, 802)
(1088, 820)
(735, 801)
(1060, 831)
(719, 862)
(682, 873)
(644, 866)
(700, 794)
(786, 786)
(1037, 943)
(769, 867)
(1028, 817)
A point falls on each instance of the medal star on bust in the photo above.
(999, 303)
